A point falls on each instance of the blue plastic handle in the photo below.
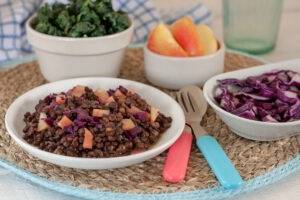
(222, 167)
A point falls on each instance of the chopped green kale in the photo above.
(80, 18)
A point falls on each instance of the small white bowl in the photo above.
(66, 57)
(251, 129)
(177, 72)
(14, 121)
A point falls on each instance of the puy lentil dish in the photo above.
(86, 123)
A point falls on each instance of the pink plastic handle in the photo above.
(177, 158)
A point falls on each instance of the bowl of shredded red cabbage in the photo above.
(270, 97)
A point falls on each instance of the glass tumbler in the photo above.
(251, 25)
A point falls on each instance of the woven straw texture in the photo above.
(251, 158)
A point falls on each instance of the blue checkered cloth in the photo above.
(14, 13)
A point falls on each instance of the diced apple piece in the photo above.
(64, 122)
(42, 125)
(186, 34)
(207, 38)
(102, 95)
(138, 113)
(78, 91)
(88, 139)
(60, 99)
(133, 110)
(153, 114)
(119, 94)
(127, 124)
(109, 100)
(161, 41)
(100, 112)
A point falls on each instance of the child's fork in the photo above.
(193, 104)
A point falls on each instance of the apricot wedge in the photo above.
(186, 34)
(208, 40)
(161, 41)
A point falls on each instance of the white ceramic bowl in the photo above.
(251, 129)
(177, 72)
(14, 121)
(65, 57)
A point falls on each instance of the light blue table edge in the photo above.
(214, 193)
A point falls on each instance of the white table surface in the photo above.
(288, 47)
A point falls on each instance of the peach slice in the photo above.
(127, 124)
(186, 34)
(102, 95)
(153, 114)
(42, 125)
(78, 91)
(100, 112)
(88, 139)
(161, 41)
(208, 40)
(64, 122)
(60, 99)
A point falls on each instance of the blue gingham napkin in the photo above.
(14, 13)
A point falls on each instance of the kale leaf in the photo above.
(80, 18)
(103, 7)
(116, 21)
(81, 29)
(64, 21)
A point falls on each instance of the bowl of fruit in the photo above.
(182, 54)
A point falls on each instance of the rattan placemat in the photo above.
(251, 158)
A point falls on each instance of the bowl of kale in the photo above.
(79, 38)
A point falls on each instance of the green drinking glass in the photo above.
(251, 25)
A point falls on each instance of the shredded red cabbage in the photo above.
(141, 116)
(270, 97)
(134, 132)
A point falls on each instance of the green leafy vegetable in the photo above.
(80, 18)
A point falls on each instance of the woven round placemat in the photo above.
(251, 158)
